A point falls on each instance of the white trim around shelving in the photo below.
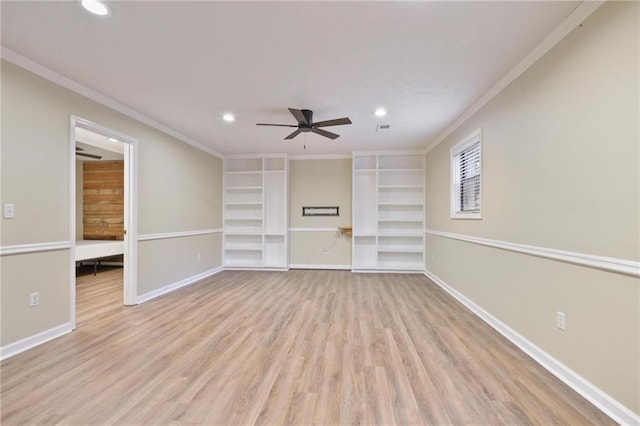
(20, 346)
(309, 266)
(589, 391)
(609, 264)
(165, 235)
(179, 284)
(579, 14)
(34, 248)
(68, 83)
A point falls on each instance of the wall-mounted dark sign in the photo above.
(321, 211)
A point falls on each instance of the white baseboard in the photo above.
(257, 268)
(306, 266)
(386, 271)
(589, 391)
(15, 348)
(182, 283)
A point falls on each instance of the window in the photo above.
(466, 177)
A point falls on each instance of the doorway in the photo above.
(108, 232)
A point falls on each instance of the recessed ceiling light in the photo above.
(113, 140)
(229, 117)
(380, 112)
(96, 7)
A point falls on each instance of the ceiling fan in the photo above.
(306, 124)
(84, 154)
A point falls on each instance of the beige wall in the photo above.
(179, 259)
(316, 183)
(46, 273)
(179, 190)
(560, 170)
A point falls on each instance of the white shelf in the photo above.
(243, 172)
(400, 186)
(255, 208)
(249, 232)
(399, 233)
(399, 249)
(241, 248)
(388, 211)
(400, 170)
(243, 203)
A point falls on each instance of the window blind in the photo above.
(466, 179)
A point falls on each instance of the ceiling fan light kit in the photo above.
(304, 117)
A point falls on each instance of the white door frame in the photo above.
(130, 209)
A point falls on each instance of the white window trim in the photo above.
(475, 137)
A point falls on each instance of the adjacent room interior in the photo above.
(320, 213)
(99, 216)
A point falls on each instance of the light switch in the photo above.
(9, 211)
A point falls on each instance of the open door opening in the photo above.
(103, 218)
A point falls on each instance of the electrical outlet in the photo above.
(34, 299)
(199, 257)
(560, 320)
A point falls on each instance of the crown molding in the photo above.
(579, 14)
(70, 84)
(320, 157)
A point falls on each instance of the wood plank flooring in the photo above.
(297, 347)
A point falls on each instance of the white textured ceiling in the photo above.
(186, 63)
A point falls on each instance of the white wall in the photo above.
(179, 190)
(561, 170)
(318, 183)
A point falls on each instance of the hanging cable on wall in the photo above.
(337, 237)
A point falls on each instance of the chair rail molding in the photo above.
(165, 235)
(609, 264)
(34, 248)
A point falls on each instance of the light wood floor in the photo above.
(300, 347)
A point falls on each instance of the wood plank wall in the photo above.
(103, 200)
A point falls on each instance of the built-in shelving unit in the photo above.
(255, 212)
(388, 211)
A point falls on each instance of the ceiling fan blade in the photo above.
(336, 122)
(294, 134)
(299, 116)
(325, 133)
(278, 125)
(82, 154)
